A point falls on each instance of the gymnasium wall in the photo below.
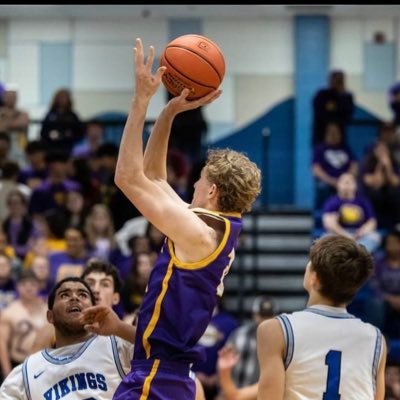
(259, 56)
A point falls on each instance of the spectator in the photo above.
(332, 104)
(15, 122)
(380, 176)
(221, 325)
(177, 172)
(135, 281)
(35, 172)
(12, 119)
(50, 237)
(71, 261)
(75, 210)
(331, 158)
(8, 291)
(61, 126)
(385, 283)
(93, 139)
(51, 194)
(351, 214)
(8, 183)
(392, 380)
(99, 229)
(243, 341)
(189, 133)
(18, 225)
(121, 208)
(41, 267)
(81, 172)
(20, 321)
(5, 147)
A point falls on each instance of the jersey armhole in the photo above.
(377, 357)
(289, 338)
(117, 360)
(25, 379)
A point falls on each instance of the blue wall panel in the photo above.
(272, 153)
(312, 39)
(55, 69)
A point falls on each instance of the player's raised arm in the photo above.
(155, 155)
(154, 203)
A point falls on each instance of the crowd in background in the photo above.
(60, 207)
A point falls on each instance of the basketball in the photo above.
(194, 62)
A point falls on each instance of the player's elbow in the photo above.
(123, 178)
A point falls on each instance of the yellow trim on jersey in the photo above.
(205, 261)
(219, 213)
(156, 313)
(148, 380)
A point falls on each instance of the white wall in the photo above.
(259, 57)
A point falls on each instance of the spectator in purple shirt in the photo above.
(350, 214)
(51, 194)
(385, 282)
(331, 158)
(35, 172)
(70, 262)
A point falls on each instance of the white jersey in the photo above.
(330, 355)
(88, 370)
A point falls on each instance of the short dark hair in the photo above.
(26, 274)
(11, 169)
(107, 149)
(57, 156)
(52, 294)
(35, 146)
(5, 136)
(99, 265)
(342, 266)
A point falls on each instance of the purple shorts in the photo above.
(157, 380)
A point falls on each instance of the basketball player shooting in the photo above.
(200, 240)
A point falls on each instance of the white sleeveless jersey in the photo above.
(91, 371)
(330, 355)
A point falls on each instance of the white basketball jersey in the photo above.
(92, 372)
(330, 355)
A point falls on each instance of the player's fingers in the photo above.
(150, 59)
(160, 72)
(185, 93)
(138, 52)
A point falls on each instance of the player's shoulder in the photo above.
(14, 308)
(13, 385)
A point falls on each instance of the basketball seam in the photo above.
(191, 79)
(191, 50)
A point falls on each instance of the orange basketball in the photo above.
(194, 62)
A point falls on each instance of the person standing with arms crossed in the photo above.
(200, 245)
(322, 352)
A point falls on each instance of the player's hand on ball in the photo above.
(180, 103)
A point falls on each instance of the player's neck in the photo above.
(316, 299)
(67, 340)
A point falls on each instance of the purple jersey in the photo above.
(180, 297)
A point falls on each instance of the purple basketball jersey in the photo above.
(175, 312)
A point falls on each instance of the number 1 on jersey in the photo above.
(333, 361)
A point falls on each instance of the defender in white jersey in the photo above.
(322, 352)
(83, 365)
